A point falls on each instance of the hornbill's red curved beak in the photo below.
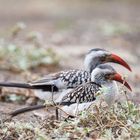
(116, 59)
(118, 77)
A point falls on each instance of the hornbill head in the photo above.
(100, 56)
(117, 77)
(104, 73)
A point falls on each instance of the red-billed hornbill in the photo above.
(72, 78)
(103, 76)
(103, 79)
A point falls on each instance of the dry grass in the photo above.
(122, 121)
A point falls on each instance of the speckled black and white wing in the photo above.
(73, 78)
(63, 79)
(83, 93)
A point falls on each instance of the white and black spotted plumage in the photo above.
(55, 82)
(64, 79)
(83, 93)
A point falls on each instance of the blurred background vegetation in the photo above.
(63, 24)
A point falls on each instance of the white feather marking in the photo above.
(43, 95)
(72, 109)
(57, 96)
(109, 92)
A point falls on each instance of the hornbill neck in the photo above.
(110, 92)
(90, 64)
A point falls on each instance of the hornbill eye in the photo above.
(103, 58)
(108, 76)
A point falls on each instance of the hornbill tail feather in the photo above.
(18, 85)
(28, 86)
(26, 109)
